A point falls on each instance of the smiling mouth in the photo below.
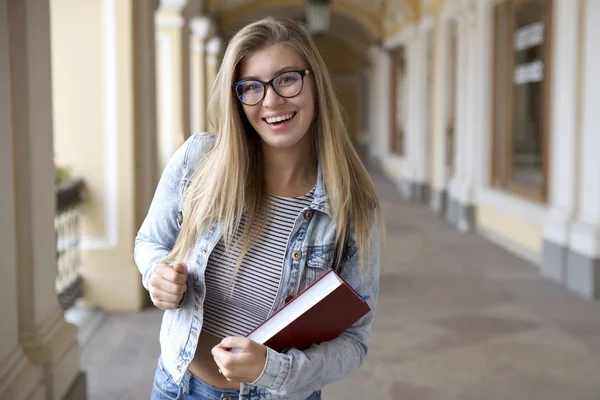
(280, 119)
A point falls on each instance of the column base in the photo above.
(21, 380)
(554, 261)
(54, 347)
(583, 275)
(420, 192)
(461, 215)
(414, 191)
(78, 390)
(438, 201)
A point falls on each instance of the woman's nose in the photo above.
(272, 99)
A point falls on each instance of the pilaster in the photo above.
(455, 182)
(19, 378)
(420, 136)
(47, 341)
(461, 204)
(583, 260)
(214, 47)
(441, 89)
(201, 28)
(172, 102)
(563, 138)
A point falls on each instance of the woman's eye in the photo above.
(287, 79)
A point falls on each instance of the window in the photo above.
(399, 100)
(521, 99)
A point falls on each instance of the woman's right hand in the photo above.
(168, 285)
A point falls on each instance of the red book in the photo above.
(319, 313)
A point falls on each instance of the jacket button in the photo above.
(308, 215)
(296, 255)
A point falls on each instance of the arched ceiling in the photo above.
(370, 19)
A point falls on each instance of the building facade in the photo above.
(491, 121)
(485, 110)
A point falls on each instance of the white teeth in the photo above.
(279, 118)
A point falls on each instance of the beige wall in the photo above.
(347, 92)
(345, 67)
(521, 233)
(79, 101)
(101, 119)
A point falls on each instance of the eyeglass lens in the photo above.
(287, 84)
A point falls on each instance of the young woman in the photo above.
(244, 219)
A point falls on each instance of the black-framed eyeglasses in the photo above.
(287, 84)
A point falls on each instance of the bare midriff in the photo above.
(204, 367)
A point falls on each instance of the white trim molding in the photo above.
(111, 149)
(585, 234)
(563, 122)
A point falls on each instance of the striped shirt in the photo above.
(236, 310)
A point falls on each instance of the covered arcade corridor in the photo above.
(458, 319)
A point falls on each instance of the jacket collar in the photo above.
(321, 199)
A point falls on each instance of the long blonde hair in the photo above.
(229, 180)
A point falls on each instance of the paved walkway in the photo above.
(458, 319)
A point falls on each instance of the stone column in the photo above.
(39, 353)
(440, 95)
(213, 55)
(21, 379)
(411, 40)
(466, 194)
(144, 106)
(421, 136)
(563, 136)
(583, 264)
(172, 102)
(201, 28)
(454, 204)
(484, 36)
(461, 209)
(379, 111)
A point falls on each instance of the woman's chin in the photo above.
(281, 140)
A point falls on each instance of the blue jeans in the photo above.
(192, 388)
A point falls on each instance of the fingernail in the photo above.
(224, 341)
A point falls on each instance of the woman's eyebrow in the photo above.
(279, 71)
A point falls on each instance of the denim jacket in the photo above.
(291, 374)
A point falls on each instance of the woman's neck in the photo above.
(289, 173)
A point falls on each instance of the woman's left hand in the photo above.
(243, 365)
